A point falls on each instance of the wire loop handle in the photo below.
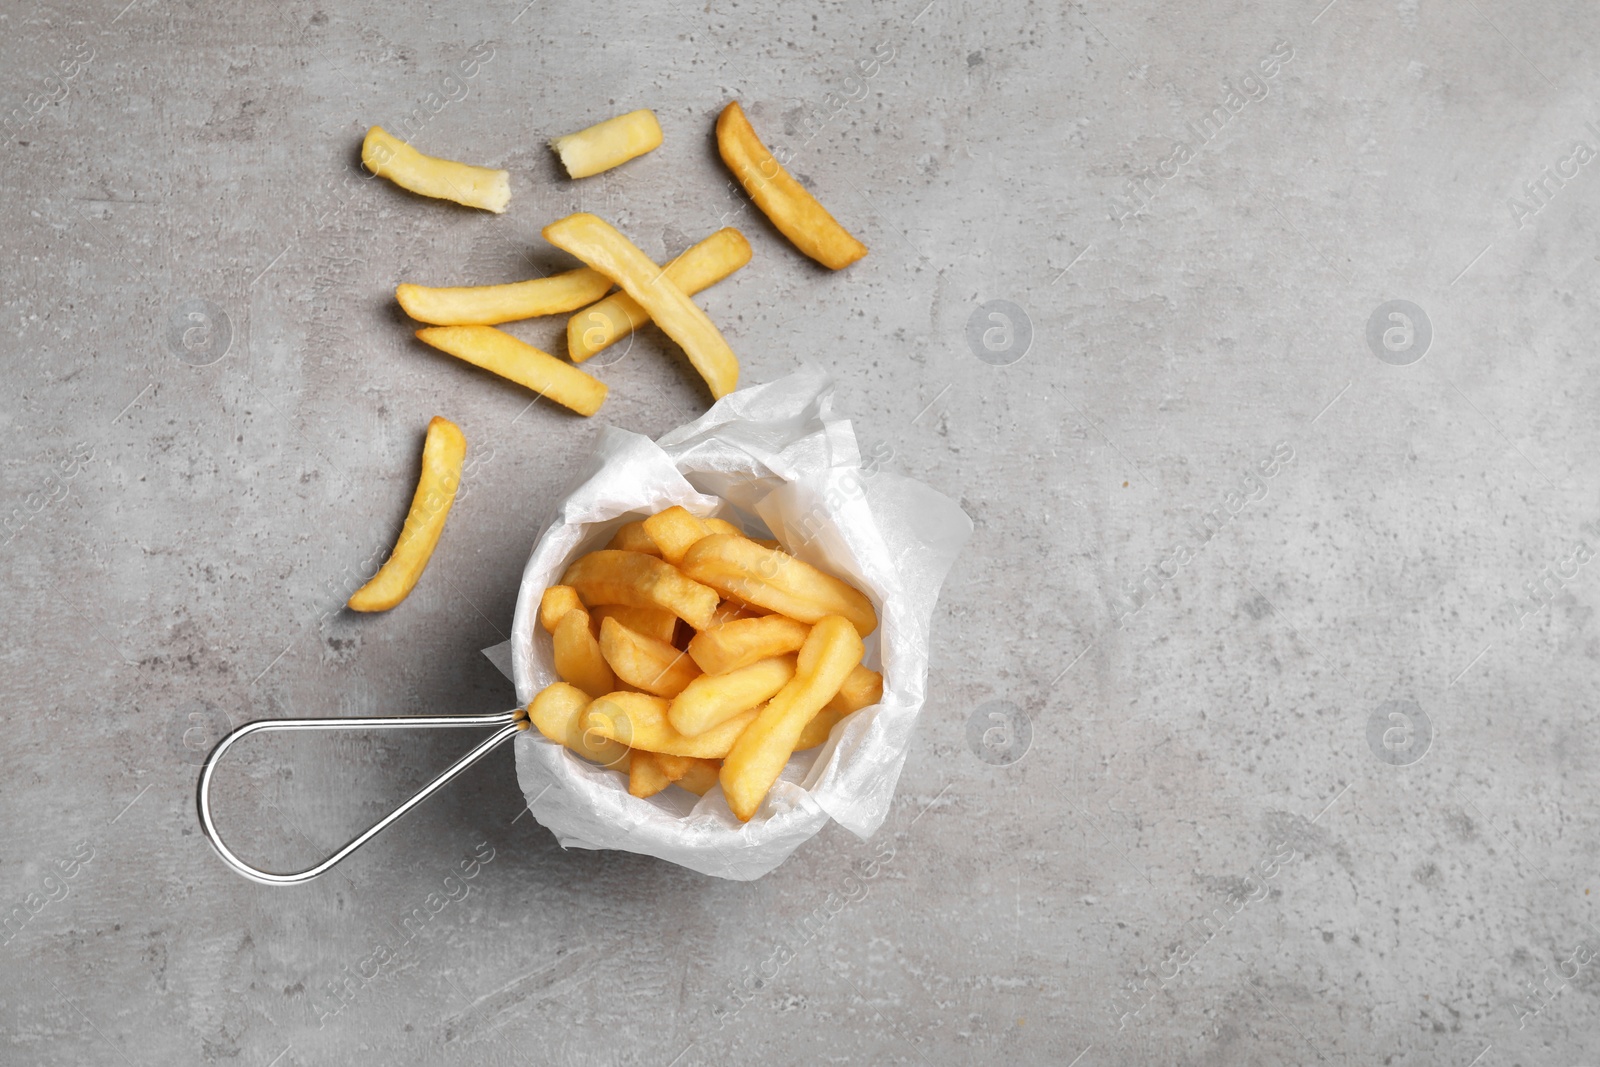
(509, 722)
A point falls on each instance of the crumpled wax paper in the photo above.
(771, 459)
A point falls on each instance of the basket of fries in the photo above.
(722, 637)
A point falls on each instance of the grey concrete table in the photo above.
(1262, 704)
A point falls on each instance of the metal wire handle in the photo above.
(510, 722)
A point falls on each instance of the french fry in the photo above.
(651, 622)
(721, 526)
(444, 179)
(700, 777)
(486, 305)
(443, 451)
(608, 144)
(642, 720)
(862, 688)
(674, 530)
(498, 352)
(646, 775)
(701, 266)
(600, 246)
(557, 713)
(775, 580)
(632, 538)
(756, 759)
(653, 666)
(578, 657)
(711, 699)
(556, 602)
(818, 729)
(610, 576)
(731, 609)
(741, 642)
(793, 210)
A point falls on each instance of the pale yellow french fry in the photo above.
(557, 713)
(578, 657)
(646, 775)
(793, 210)
(611, 576)
(632, 538)
(756, 759)
(608, 144)
(721, 526)
(731, 609)
(775, 580)
(641, 719)
(500, 353)
(711, 699)
(862, 688)
(700, 777)
(651, 622)
(600, 246)
(443, 179)
(443, 451)
(486, 305)
(653, 666)
(674, 530)
(701, 266)
(818, 729)
(741, 642)
(556, 602)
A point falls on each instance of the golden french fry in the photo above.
(600, 246)
(793, 210)
(611, 576)
(646, 775)
(485, 305)
(767, 542)
(643, 662)
(557, 712)
(443, 451)
(818, 729)
(721, 526)
(832, 648)
(642, 720)
(700, 777)
(741, 642)
(699, 267)
(775, 580)
(444, 179)
(715, 698)
(500, 353)
(674, 530)
(651, 622)
(632, 538)
(862, 688)
(556, 602)
(731, 609)
(608, 144)
(578, 657)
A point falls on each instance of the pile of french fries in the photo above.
(462, 321)
(691, 654)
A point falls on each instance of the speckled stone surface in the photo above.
(1263, 698)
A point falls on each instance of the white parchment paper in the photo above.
(771, 459)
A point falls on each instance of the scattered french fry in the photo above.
(486, 305)
(711, 699)
(608, 144)
(632, 538)
(793, 210)
(701, 266)
(775, 580)
(645, 663)
(599, 245)
(443, 452)
(741, 642)
(578, 657)
(651, 622)
(499, 353)
(756, 759)
(557, 712)
(640, 720)
(444, 179)
(556, 602)
(610, 576)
